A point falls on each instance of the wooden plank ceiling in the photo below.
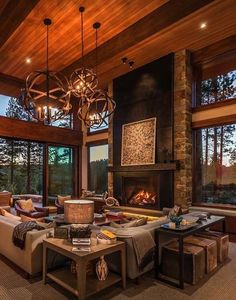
(141, 30)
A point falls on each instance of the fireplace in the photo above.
(141, 191)
(144, 189)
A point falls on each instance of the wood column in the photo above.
(182, 128)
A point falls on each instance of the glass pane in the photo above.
(103, 126)
(218, 89)
(36, 168)
(67, 122)
(11, 108)
(21, 166)
(216, 164)
(60, 172)
(98, 168)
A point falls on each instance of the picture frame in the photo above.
(139, 143)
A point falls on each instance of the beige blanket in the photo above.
(144, 245)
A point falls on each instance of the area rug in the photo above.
(218, 286)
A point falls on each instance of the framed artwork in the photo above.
(138, 143)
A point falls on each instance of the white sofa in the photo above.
(28, 259)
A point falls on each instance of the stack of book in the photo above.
(106, 237)
(81, 241)
(81, 244)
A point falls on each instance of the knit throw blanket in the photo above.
(20, 231)
(143, 243)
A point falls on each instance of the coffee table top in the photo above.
(202, 225)
(65, 246)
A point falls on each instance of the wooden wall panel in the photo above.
(37, 132)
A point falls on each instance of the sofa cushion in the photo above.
(62, 199)
(6, 214)
(26, 205)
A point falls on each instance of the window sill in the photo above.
(214, 205)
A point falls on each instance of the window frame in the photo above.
(201, 71)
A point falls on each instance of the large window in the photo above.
(60, 172)
(218, 89)
(215, 164)
(21, 166)
(98, 162)
(9, 107)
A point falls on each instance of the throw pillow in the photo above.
(26, 219)
(62, 199)
(5, 213)
(141, 222)
(26, 205)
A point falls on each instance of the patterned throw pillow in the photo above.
(62, 199)
(26, 205)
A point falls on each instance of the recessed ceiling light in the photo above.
(203, 25)
(28, 60)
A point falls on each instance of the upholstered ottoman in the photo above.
(210, 250)
(194, 262)
(222, 242)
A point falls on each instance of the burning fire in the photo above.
(142, 198)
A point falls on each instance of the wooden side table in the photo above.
(82, 285)
(180, 235)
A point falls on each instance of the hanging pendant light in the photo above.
(99, 107)
(83, 81)
(46, 96)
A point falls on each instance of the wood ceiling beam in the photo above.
(11, 80)
(10, 85)
(215, 51)
(161, 18)
(12, 16)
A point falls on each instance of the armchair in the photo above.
(39, 212)
(59, 203)
(6, 200)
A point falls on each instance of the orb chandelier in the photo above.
(96, 110)
(46, 96)
(83, 81)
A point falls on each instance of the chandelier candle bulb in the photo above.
(40, 113)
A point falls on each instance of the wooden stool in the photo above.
(222, 242)
(194, 262)
(210, 250)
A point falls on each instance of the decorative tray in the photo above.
(181, 228)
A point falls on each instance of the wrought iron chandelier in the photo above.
(46, 96)
(95, 106)
(83, 81)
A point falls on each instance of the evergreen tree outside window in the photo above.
(215, 155)
(218, 89)
(9, 107)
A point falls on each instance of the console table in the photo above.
(180, 235)
(82, 285)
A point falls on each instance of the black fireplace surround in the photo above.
(141, 94)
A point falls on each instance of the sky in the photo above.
(3, 104)
(98, 152)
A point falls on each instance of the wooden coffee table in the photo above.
(82, 285)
